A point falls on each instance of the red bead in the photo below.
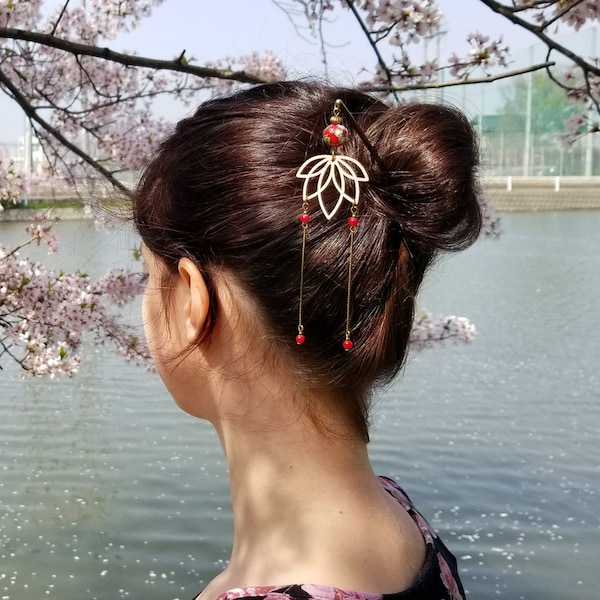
(304, 218)
(353, 221)
(300, 338)
(335, 135)
(348, 345)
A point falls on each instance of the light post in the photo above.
(528, 106)
(437, 33)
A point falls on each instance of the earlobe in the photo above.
(198, 300)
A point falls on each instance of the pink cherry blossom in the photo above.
(429, 330)
(45, 315)
(11, 183)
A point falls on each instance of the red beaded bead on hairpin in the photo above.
(331, 169)
(336, 134)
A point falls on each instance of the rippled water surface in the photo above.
(108, 491)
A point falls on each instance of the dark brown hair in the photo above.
(222, 190)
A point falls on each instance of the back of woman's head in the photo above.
(223, 191)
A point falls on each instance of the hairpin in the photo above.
(345, 174)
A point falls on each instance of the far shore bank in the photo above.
(53, 213)
(544, 200)
(508, 194)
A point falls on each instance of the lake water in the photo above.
(109, 491)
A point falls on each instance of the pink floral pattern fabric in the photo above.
(437, 580)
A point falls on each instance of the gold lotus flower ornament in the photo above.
(332, 169)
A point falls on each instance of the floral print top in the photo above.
(437, 580)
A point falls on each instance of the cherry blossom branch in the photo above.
(459, 82)
(180, 64)
(16, 249)
(576, 91)
(539, 32)
(44, 313)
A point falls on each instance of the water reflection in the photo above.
(66, 435)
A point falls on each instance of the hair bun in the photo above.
(429, 187)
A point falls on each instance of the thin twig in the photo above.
(382, 63)
(287, 11)
(17, 248)
(60, 16)
(323, 50)
(445, 84)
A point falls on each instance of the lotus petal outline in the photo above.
(332, 169)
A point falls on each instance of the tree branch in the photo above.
(324, 59)
(6, 349)
(445, 84)
(539, 32)
(128, 60)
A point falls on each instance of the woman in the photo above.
(282, 275)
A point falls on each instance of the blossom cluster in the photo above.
(491, 222)
(484, 53)
(579, 14)
(11, 183)
(401, 23)
(575, 13)
(40, 232)
(45, 315)
(584, 89)
(429, 330)
(266, 66)
(79, 92)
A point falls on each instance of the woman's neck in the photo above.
(304, 502)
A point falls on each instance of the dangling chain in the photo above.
(348, 344)
(304, 219)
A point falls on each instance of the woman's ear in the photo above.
(197, 301)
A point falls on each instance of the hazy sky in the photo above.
(209, 30)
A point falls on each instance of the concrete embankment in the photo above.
(544, 193)
(28, 214)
